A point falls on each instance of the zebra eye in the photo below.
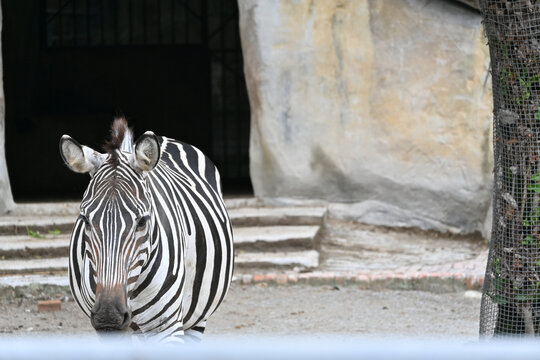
(142, 222)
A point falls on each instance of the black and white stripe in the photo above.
(164, 234)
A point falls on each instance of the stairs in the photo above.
(266, 238)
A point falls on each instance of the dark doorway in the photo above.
(171, 66)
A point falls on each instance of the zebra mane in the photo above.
(121, 138)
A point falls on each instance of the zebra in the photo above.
(152, 251)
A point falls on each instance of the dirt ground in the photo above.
(287, 310)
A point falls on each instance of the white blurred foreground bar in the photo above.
(58, 348)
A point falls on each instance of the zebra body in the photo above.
(159, 241)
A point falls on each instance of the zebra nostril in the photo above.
(127, 320)
(124, 316)
(94, 310)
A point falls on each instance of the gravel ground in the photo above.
(284, 310)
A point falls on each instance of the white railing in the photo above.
(59, 348)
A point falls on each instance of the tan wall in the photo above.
(379, 105)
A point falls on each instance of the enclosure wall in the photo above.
(379, 107)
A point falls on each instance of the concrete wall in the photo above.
(377, 107)
(6, 199)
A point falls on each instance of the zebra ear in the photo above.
(79, 158)
(147, 152)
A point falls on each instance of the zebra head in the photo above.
(115, 222)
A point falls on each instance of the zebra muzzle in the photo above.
(110, 313)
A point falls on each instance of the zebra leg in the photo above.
(172, 331)
(195, 334)
(177, 336)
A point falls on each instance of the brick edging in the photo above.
(412, 281)
(425, 281)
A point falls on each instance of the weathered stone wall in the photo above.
(379, 107)
(6, 199)
(472, 3)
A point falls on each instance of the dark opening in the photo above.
(171, 66)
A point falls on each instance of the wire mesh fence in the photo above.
(511, 300)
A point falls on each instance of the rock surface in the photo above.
(380, 107)
(6, 199)
(475, 4)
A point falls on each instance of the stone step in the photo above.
(299, 260)
(267, 216)
(272, 238)
(59, 278)
(24, 246)
(33, 266)
(71, 208)
(261, 238)
(19, 225)
(240, 217)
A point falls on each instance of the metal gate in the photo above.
(191, 47)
